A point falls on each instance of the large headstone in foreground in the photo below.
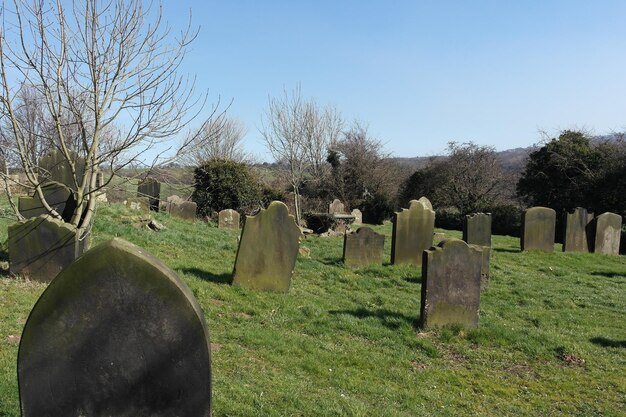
(267, 250)
(363, 248)
(228, 219)
(412, 233)
(607, 229)
(117, 333)
(451, 284)
(538, 225)
(151, 189)
(575, 233)
(185, 210)
(41, 247)
(336, 207)
(477, 231)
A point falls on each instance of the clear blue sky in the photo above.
(421, 73)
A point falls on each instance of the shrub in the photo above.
(319, 222)
(506, 219)
(377, 208)
(449, 218)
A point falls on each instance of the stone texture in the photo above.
(185, 210)
(55, 167)
(138, 204)
(267, 250)
(426, 202)
(575, 237)
(56, 194)
(228, 219)
(412, 233)
(151, 189)
(538, 225)
(451, 275)
(606, 232)
(117, 333)
(363, 248)
(477, 231)
(41, 247)
(358, 217)
(336, 207)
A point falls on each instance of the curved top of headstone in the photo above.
(610, 217)
(419, 204)
(366, 231)
(116, 333)
(426, 202)
(336, 207)
(477, 215)
(540, 210)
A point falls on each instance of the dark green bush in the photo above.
(449, 218)
(319, 222)
(377, 208)
(506, 219)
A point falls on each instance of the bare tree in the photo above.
(105, 77)
(219, 138)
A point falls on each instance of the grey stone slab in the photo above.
(228, 219)
(412, 233)
(150, 188)
(477, 229)
(451, 277)
(117, 333)
(41, 247)
(336, 207)
(185, 210)
(607, 229)
(56, 167)
(575, 238)
(267, 250)
(362, 248)
(538, 226)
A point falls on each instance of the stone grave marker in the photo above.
(55, 167)
(358, 217)
(336, 207)
(267, 250)
(150, 188)
(538, 225)
(41, 247)
(607, 229)
(477, 231)
(185, 210)
(228, 219)
(363, 248)
(451, 275)
(412, 233)
(575, 233)
(138, 204)
(426, 202)
(117, 333)
(56, 194)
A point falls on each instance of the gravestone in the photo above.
(426, 202)
(363, 248)
(56, 194)
(451, 275)
(41, 247)
(607, 229)
(99, 179)
(55, 167)
(358, 217)
(267, 250)
(336, 207)
(538, 225)
(138, 204)
(477, 231)
(575, 237)
(117, 333)
(412, 233)
(151, 189)
(185, 210)
(228, 219)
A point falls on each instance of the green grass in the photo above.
(551, 340)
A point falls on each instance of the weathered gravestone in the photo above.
(575, 238)
(426, 202)
(228, 219)
(138, 204)
(606, 231)
(538, 225)
(477, 231)
(267, 250)
(55, 167)
(185, 210)
(117, 333)
(151, 189)
(451, 284)
(336, 207)
(362, 248)
(41, 247)
(412, 233)
(57, 195)
(358, 217)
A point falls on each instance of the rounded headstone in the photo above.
(412, 233)
(538, 226)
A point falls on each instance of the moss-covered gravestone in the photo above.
(267, 250)
(575, 237)
(117, 333)
(363, 248)
(151, 189)
(451, 284)
(412, 232)
(56, 194)
(606, 233)
(41, 247)
(56, 167)
(538, 225)
(228, 219)
(477, 231)
(185, 210)
(336, 207)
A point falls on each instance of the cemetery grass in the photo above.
(551, 340)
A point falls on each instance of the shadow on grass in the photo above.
(608, 274)
(332, 261)
(208, 276)
(414, 280)
(390, 319)
(603, 341)
(506, 250)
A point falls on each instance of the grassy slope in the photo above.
(552, 338)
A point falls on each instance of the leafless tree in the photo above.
(220, 138)
(105, 77)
